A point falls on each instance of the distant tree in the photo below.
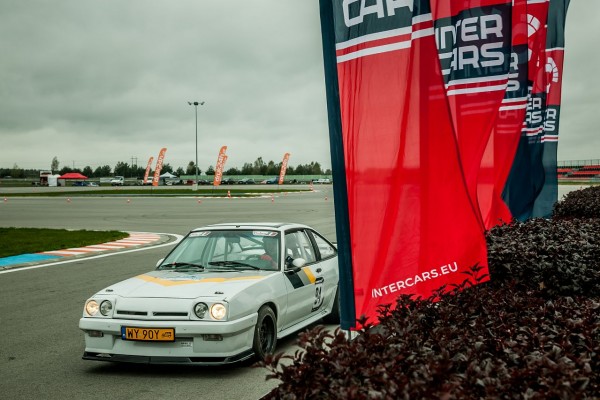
(232, 171)
(139, 172)
(87, 171)
(17, 172)
(122, 169)
(260, 168)
(210, 170)
(191, 168)
(327, 171)
(166, 168)
(102, 172)
(271, 169)
(315, 168)
(247, 169)
(54, 164)
(180, 172)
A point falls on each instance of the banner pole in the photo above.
(340, 190)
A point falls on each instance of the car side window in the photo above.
(298, 245)
(325, 248)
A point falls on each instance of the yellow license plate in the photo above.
(148, 334)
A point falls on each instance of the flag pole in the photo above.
(340, 190)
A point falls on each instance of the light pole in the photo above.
(195, 104)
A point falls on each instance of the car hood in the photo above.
(186, 285)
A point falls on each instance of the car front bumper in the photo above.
(196, 342)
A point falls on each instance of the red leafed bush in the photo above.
(531, 332)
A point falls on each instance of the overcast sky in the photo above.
(97, 82)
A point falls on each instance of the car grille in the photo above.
(124, 312)
(149, 315)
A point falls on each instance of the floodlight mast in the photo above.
(196, 104)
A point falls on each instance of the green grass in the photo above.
(15, 241)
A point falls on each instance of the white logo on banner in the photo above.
(551, 73)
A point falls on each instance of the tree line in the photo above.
(258, 167)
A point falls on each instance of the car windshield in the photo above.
(227, 250)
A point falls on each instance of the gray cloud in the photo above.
(97, 82)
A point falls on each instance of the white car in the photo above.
(225, 293)
(117, 181)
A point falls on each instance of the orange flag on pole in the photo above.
(284, 164)
(148, 170)
(220, 165)
(159, 164)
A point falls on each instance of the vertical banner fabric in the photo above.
(413, 225)
(553, 68)
(220, 166)
(526, 177)
(159, 164)
(474, 45)
(504, 139)
(148, 170)
(532, 187)
(283, 169)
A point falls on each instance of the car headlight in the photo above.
(91, 308)
(200, 310)
(105, 307)
(218, 311)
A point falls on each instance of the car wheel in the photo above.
(265, 333)
(334, 317)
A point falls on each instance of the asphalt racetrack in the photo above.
(40, 342)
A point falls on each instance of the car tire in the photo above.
(334, 317)
(265, 333)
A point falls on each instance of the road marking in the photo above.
(176, 236)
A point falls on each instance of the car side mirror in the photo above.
(159, 262)
(295, 263)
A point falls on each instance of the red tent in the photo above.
(72, 175)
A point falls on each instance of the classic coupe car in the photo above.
(224, 294)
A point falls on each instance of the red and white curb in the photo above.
(134, 239)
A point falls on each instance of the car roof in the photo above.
(253, 225)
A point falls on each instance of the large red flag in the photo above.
(413, 226)
(526, 178)
(474, 44)
(504, 139)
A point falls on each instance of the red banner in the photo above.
(504, 139)
(159, 164)
(284, 165)
(413, 225)
(220, 165)
(147, 170)
(474, 45)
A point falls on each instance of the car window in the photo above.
(220, 249)
(298, 245)
(325, 248)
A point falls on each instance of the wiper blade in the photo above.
(180, 266)
(231, 264)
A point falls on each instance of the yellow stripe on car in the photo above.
(309, 274)
(168, 282)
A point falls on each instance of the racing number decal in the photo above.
(318, 301)
(304, 278)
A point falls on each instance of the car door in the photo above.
(326, 265)
(304, 285)
(309, 287)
